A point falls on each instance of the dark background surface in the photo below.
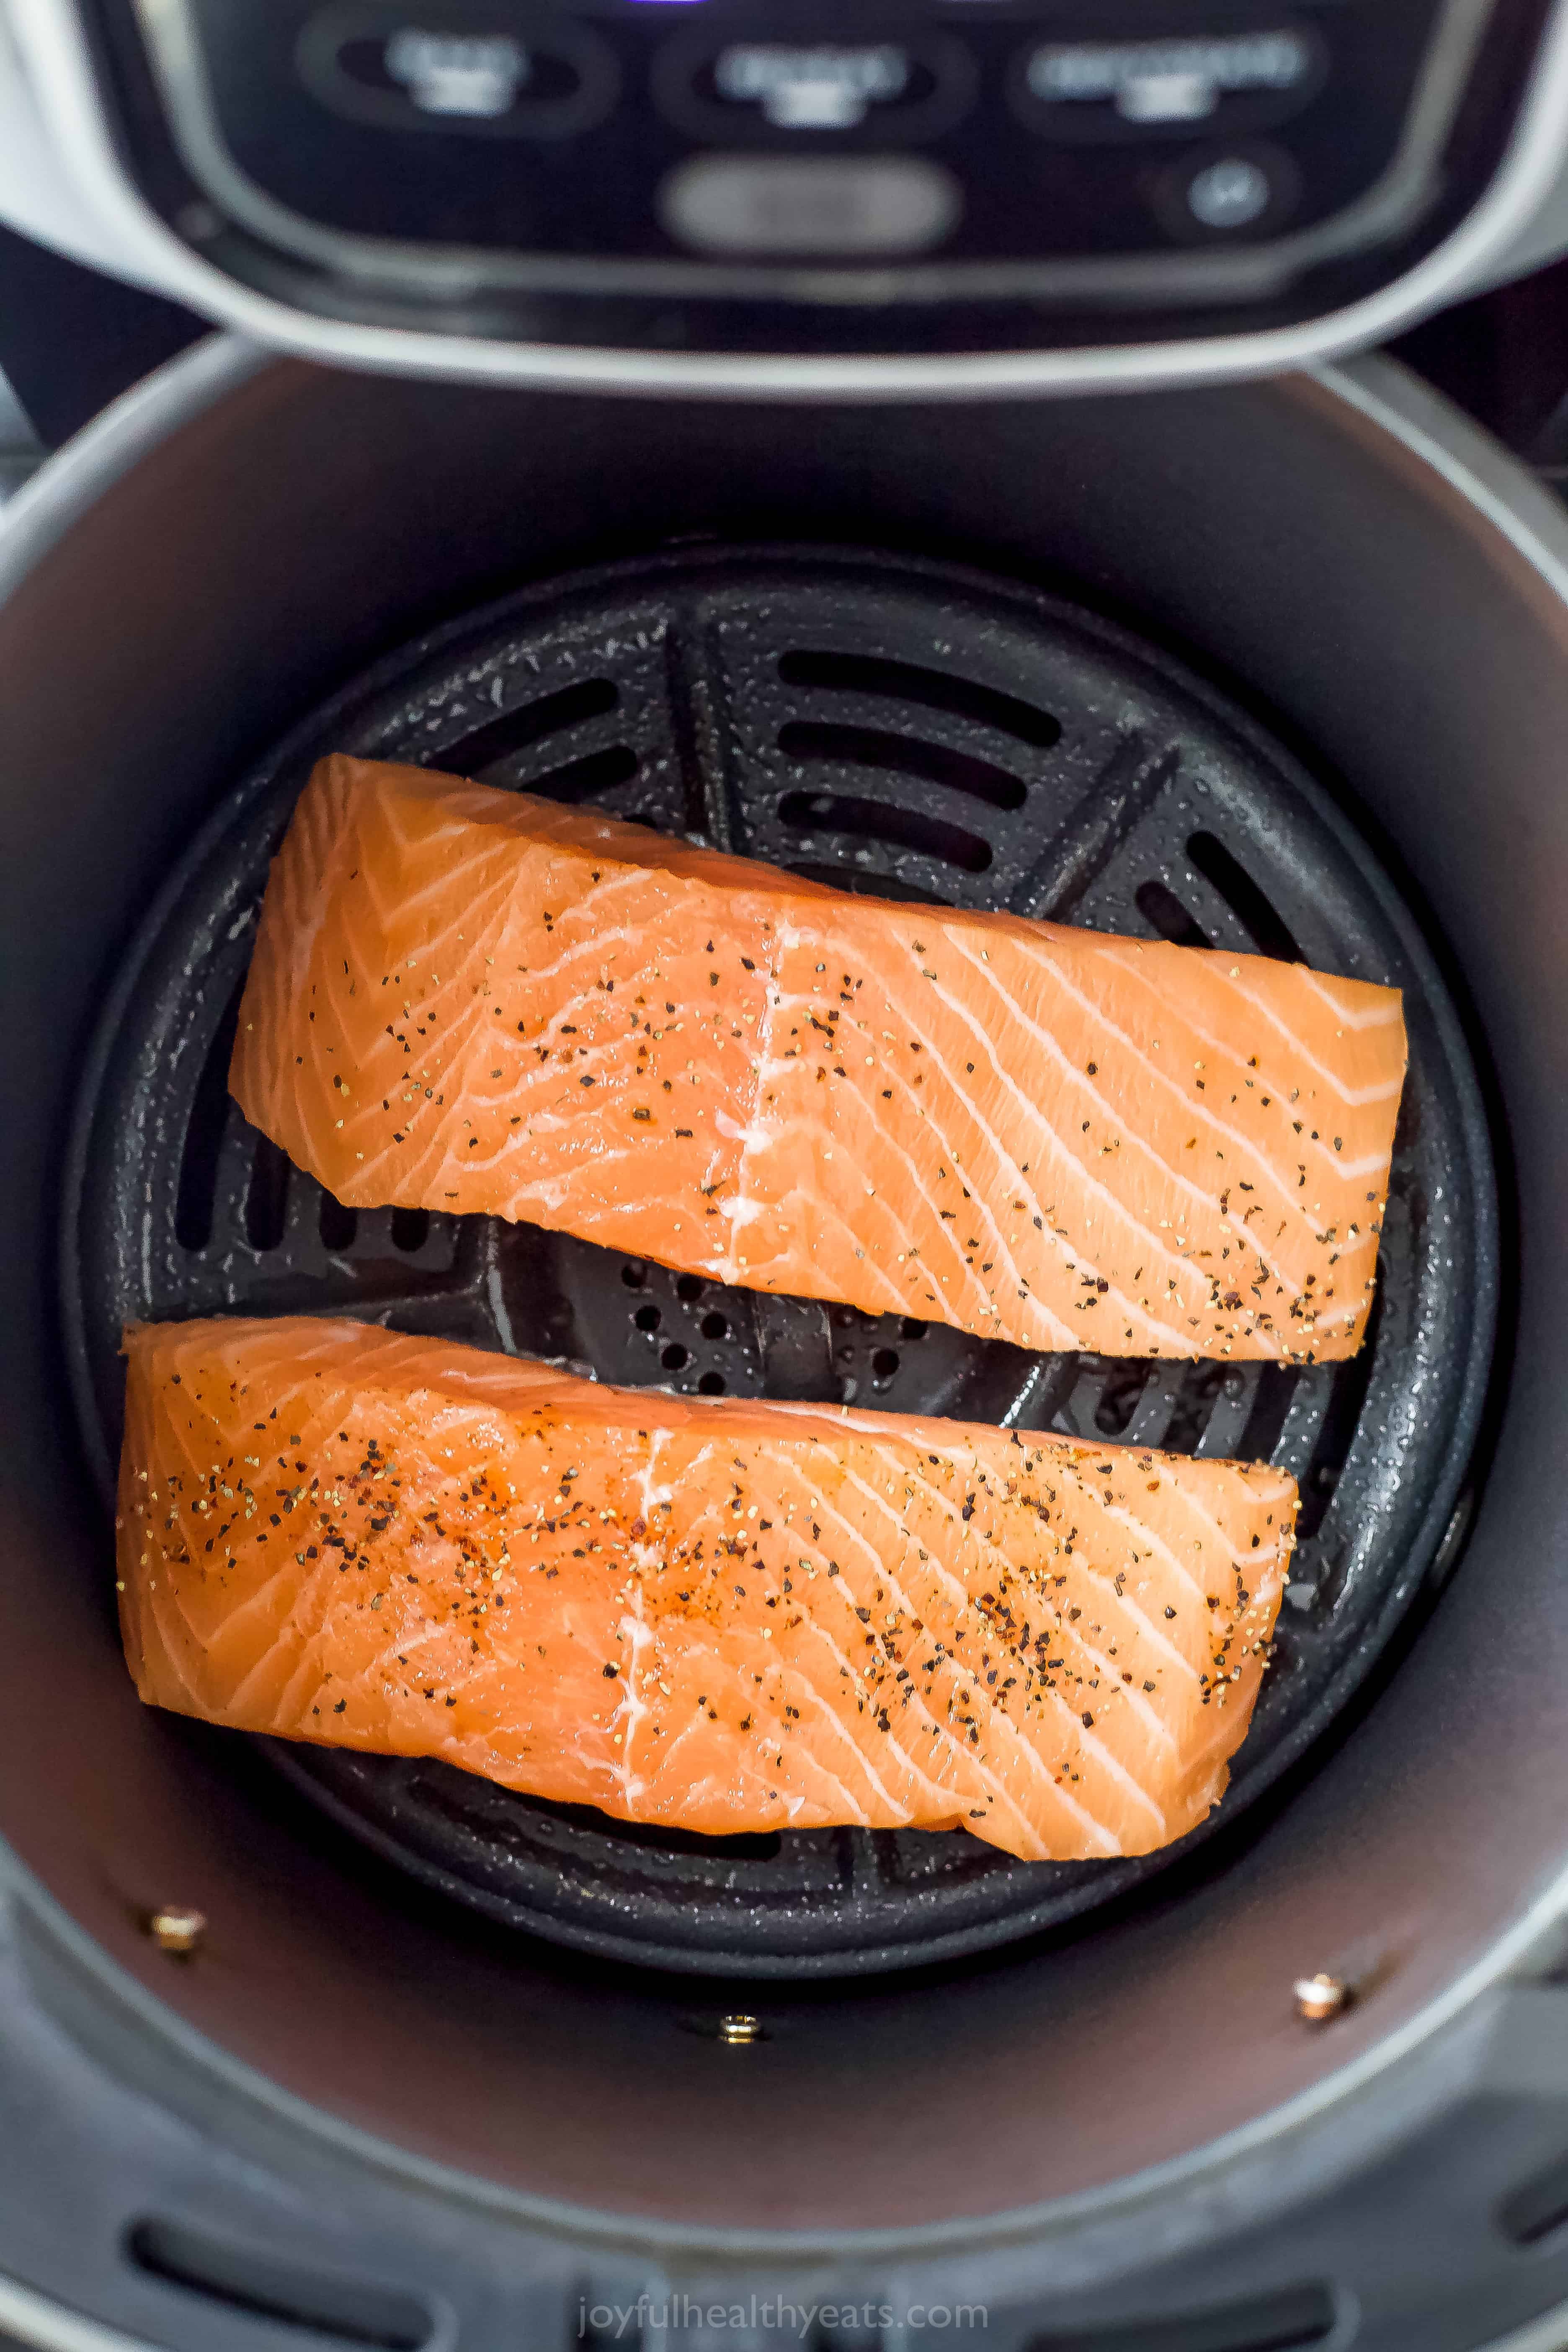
(70, 339)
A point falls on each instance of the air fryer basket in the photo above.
(895, 727)
(366, 2107)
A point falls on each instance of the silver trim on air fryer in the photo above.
(52, 43)
(1394, 201)
(32, 2318)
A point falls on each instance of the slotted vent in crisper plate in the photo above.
(918, 732)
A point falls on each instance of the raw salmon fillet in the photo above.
(465, 999)
(718, 1615)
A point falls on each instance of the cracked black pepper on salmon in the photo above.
(469, 1000)
(717, 1615)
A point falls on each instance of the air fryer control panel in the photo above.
(855, 172)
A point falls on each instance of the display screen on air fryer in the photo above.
(964, 129)
(1058, 151)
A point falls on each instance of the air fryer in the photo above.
(303, 2047)
(1278, 667)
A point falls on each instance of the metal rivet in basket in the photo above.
(738, 2030)
(176, 1927)
(1321, 1996)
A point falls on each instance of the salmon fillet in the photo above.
(471, 999)
(713, 1614)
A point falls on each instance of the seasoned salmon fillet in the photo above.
(713, 1614)
(468, 1000)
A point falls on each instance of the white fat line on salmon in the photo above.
(163, 1615)
(962, 1765)
(1250, 1152)
(1255, 1563)
(592, 949)
(1080, 1262)
(1302, 1055)
(1185, 1495)
(549, 1193)
(322, 819)
(590, 1005)
(672, 1772)
(882, 1569)
(707, 1452)
(1125, 1605)
(430, 1635)
(1014, 1734)
(798, 1681)
(840, 1416)
(753, 1132)
(1224, 1048)
(985, 1044)
(793, 1806)
(305, 1626)
(1156, 1544)
(438, 855)
(449, 1037)
(270, 998)
(425, 1175)
(636, 1632)
(1221, 1734)
(1139, 1143)
(307, 1632)
(754, 1136)
(802, 1277)
(1317, 1145)
(727, 1789)
(1056, 1330)
(1264, 1483)
(1016, 1740)
(1071, 1635)
(1151, 1634)
(1379, 1014)
(797, 1678)
(651, 1493)
(586, 1182)
(791, 1274)
(1050, 1329)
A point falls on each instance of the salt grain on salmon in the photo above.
(1045, 1135)
(716, 1615)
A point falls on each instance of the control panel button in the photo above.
(840, 209)
(765, 91)
(474, 74)
(1206, 82)
(812, 88)
(1214, 196)
(377, 66)
(1231, 194)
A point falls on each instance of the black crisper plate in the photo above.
(897, 727)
